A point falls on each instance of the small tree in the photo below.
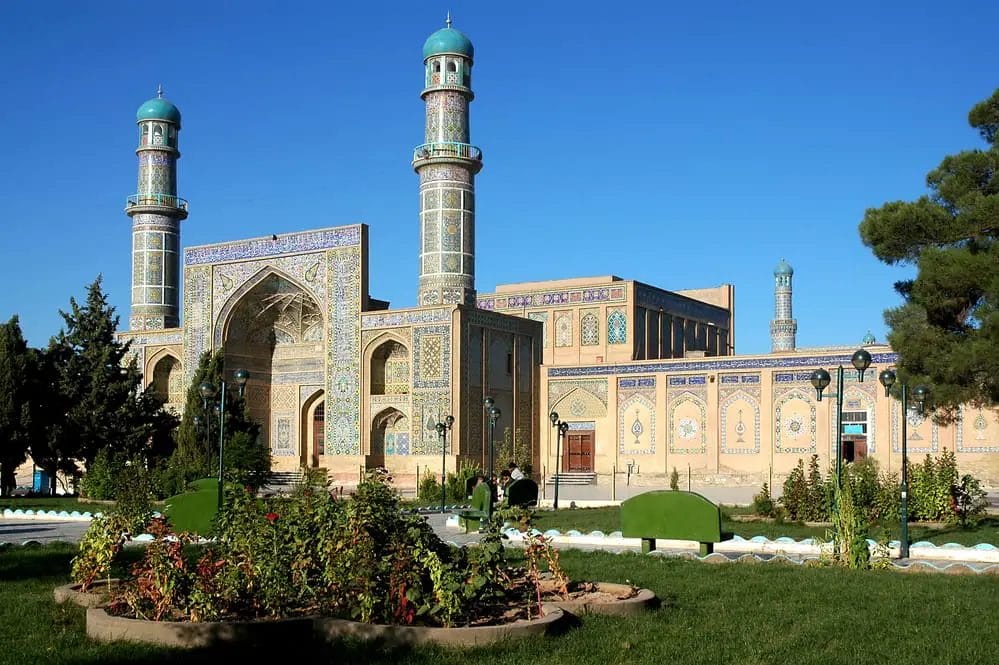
(674, 480)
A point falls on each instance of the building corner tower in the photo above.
(156, 213)
(783, 327)
(447, 165)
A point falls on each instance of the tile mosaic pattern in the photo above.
(636, 415)
(739, 397)
(543, 318)
(563, 329)
(918, 440)
(408, 318)
(432, 357)
(981, 426)
(794, 421)
(545, 298)
(617, 326)
(559, 389)
(686, 406)
(343, 354)
(589, 330)
(292, 243)
(718, 364)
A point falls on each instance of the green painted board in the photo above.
(671, 515)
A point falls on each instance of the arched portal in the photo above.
(313, 436)
(390, 369)
(275, 330)
(389, 436)
(168, 381)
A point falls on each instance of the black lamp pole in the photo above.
(489, 404)
(921, 393)
(207, 392)
(820, 379)
(442, 429)
(561, 428)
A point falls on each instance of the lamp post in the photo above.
(820, 379)
(207, 391)
(240, 376)
(921, 393)
(442, 429)
(489, 404)
(561, 428)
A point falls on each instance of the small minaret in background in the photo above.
(783, 327)
(156, 213)
(447, 165)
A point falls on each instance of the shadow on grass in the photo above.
(35, 562)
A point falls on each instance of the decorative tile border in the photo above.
(493, 301)
(714, 365)
(745, 388)
(915, 420)
(636, 394)
(408, 318)
(781, 424)
(153, 337)
(978, 424)
(438, 339)
(293, 243)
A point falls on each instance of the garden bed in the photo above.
(602, 598)
(96, 595)
(105, 627)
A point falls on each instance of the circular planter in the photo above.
(97, 595)
(611, 599)
(103, 627)
(331, 630)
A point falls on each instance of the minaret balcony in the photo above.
(156, 203)
(447, 151)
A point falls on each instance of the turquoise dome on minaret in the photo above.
(448, 40)
(158, 108)
(783, 268)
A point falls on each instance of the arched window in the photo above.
(617, 328)
(158, 135)
(563, 331)
(319, 431)
(451, 67)
(589, 330)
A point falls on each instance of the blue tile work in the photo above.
(153, 337)
(736, 390)
(292, 243)
(981, 432)
(917, 442)
(343, 350)
(790, 426)
(716, 364)
(432, 357)
(582, 425)
(636, 415)
(494, 301)
(408, 318)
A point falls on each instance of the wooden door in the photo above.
(578, 454)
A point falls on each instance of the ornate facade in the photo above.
(647, 378)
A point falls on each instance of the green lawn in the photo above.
(67, 503)
(607, 519)
(733, 613)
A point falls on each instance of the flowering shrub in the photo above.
(98, 548)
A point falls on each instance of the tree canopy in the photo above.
(18, 415)
(946, 332)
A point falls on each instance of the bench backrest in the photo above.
(482, 498)
(523, 492)
(470, 485)
(672, 515)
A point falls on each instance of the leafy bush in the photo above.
(795, 494)
(247, 462)
(428, 489)
(815, 507)
(969, 501)
(101, 543)
(674, 480)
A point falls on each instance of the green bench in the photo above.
(482, 508)
(671, 515)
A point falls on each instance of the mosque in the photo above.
(646, 379)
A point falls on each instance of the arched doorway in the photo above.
(313, 437)
(168, 381)
(390, 369)
(389, 436)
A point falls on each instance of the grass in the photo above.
(750, 614)
(607, 519)
(194, 511)
(67, 503)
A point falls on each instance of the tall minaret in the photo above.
(783, 328)
(156, 213)
(447, 165)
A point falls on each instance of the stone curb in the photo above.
(70, 593)
(640, 603)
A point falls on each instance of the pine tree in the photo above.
(17, 372)
(947, 330)
(98, 386)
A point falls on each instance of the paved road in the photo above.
(45, 531)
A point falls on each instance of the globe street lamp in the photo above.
(561, 428)
(240, 376)
(820, 380)
(442, 429)
(489, 404)
(921, 393)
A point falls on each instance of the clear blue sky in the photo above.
(683, 145)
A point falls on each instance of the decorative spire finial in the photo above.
(447, 22)
(159, 91)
